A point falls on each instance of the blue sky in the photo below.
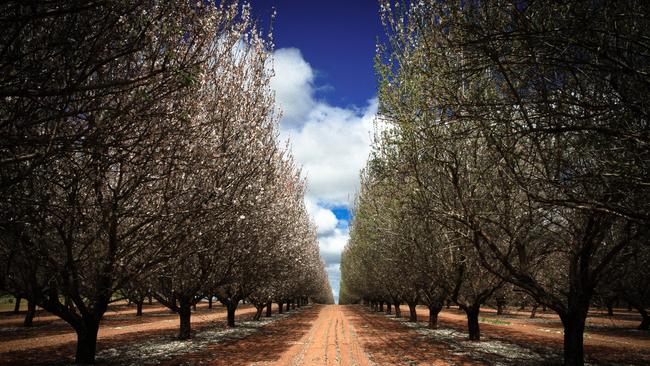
(336, 37)
(326, 87)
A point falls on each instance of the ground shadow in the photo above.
(266, 345)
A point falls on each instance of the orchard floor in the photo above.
(324, 335)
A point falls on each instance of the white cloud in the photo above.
(332, 245)
(324, 219)
(330, 143)
(333, 145)
(293, 84)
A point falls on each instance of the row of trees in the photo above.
(139, 155)
(514, 151)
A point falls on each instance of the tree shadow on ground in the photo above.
(266, 345)
(64, 354)
(549, 348)
(389, 342)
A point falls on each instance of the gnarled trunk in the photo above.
(388, 308)
(31, 311)
(269, 309)
(500, 306)
(574, 327)
(258, 312)
(533, 312)
(232, 307)
(472, 322)
(413, 315)
(398, 311)
(17, 305)
(645, 322)
(86, 341)
(185, 315)
(434, 310)
(139, 308)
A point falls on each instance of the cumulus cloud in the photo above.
(333, 146)
(332, 245)
(324, 219)
(293, 85)
(329, 142)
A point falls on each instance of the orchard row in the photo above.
(140, 156)
(512, 161)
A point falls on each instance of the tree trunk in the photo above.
(645, 322)
(472, 323)
(31, 311)
(269, 309)
(279, 307)
(194, 307)
(381, 306)
(258, 313)
(388, 308)
(17, 305)
(232, 307)
(533, 312)
(150, 299)
(500, 308)
(293, 307)
(86, 342)
(413, 315)
(398, 311)
(210, 302)
(139, 307)
(610, 307)
(574, 327)
(433, 315)
(185, 314)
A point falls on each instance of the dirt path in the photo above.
(332, 335)
(332, 340)
(318, 335)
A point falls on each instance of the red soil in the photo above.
(328, 335)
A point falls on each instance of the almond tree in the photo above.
(94, 132)
(537, 112)
(212, 199)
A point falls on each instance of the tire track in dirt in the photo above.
(331, 340)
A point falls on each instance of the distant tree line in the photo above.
(139, 157)
(513, 152)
